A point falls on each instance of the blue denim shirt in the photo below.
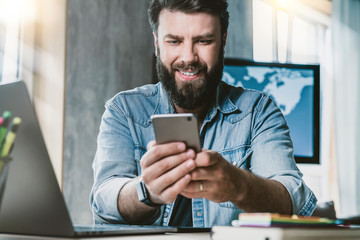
(244, 126)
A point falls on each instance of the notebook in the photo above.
(33, 203)
(276, 233)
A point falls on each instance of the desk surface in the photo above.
(168, 236)
(231, 233)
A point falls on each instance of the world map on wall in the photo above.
(291, 89)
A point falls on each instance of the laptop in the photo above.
(32, 203)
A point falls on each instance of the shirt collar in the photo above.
(164, 102)
(222, 102)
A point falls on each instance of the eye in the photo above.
(205, 42)
(172, 42)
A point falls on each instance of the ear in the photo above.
(224, 39)
(155, 43)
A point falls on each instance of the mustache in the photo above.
(194, 66)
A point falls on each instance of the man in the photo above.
(247, 159)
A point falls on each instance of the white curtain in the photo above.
(346, 55)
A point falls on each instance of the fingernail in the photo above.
(190, 153)
(190, 164)
(181, 146)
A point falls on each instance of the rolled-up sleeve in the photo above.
(114, 165)
(273, 158)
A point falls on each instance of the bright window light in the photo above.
(284, 4)
(283, 25)
(263, 35)
(304, 42)
(13, 10)
(13, 15)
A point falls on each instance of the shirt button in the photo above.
(198, 214)
(165, 215)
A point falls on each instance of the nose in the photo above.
(189, 53)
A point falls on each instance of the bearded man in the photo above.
(246, 163)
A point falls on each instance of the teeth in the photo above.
(189, 73)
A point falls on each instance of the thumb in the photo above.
(151, 144)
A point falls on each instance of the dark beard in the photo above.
(194, 94)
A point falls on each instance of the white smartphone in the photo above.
(181, 127)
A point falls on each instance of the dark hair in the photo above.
(214, 7)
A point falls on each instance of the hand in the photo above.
(214, 178)
(166, 170)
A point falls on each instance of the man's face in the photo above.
(190, 54)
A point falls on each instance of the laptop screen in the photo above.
(32, 201)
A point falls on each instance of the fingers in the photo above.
(150, 144)
(165, 170)
(207, 166)
(206, 158)
(169, 194)
(217, 180)
(168, 185)
(219, 169)
(170, 168)
(205, 174)
(165, 164)
(157, 152)
(197, 186)
(197, 189)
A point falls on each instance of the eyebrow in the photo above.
(204, 36)
(172, 36)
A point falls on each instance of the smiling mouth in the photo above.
(189, 74)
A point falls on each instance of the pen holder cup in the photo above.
(4, 169)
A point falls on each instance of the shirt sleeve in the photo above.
(114, 165)
(272, 155)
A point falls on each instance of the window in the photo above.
(298, 32)
(263, 31)
(287, 32)
(13, 15)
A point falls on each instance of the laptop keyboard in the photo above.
(120, 229)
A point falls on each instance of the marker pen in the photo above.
(10, 137)
(3, 127)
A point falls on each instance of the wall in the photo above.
(346, 67)
(48, 84)
(240, 33)
(109, 49)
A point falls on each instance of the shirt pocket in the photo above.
(239, 157)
